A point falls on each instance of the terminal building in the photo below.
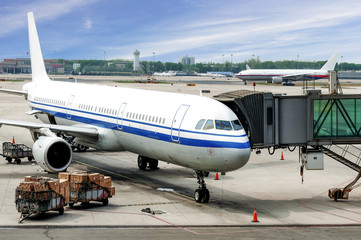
(23, 65)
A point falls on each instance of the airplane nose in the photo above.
(236, 158)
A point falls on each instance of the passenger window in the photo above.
(209, 125)
(200, 124)
(223, 125)
(236, 125)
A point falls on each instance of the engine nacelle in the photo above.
(53, 154)
(277, 80)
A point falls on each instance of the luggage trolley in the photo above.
(16, 151)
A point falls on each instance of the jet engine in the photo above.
(53, 154)
(277, 80)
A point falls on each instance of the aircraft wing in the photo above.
(14, 92)
(297, 77)
(82, 131)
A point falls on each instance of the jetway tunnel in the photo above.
(313, 119)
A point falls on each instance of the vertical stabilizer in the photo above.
(247, 67)
(37, 62)
(331, 63)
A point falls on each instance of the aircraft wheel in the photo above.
(81, 148)
(201, 195)
(105, 202)
(18, 161)
(142, 162)
(61, 211)
(9, 159)
(153, 164)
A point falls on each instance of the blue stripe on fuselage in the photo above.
(146, 133)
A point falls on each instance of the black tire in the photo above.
(18, 161)
(71, 205)
(153, 164)
(81, 148)
(206, 174)
(9, 159)
(206, 196)
(30, 159)
(142, 162)
(61, 211)
(105, 202)
(198, 195)
(201, 195)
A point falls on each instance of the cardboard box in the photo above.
(94, 177)
(26, 186)
(111, 190)
(54, 184)
(107, 182)
(79, 178)
(64, 175)
(40, 186)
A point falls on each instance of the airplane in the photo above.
(187, 130)
(285, 75)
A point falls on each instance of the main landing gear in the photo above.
(143, 162)
(201, 194)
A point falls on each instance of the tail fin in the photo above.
(37, 62)
(247, 67)
(330, 64)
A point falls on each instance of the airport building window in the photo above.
(200, 124)
(223, 125)
(209, 125)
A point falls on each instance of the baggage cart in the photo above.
(87, 192)
(34, 203)
(16, 151)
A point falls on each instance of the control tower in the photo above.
(136, 66)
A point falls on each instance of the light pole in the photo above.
(341, 63)
(104, 61)
(153, 62)
(297, 61)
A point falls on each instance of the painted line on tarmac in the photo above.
(132, 179)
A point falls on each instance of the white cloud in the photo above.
(88, 24)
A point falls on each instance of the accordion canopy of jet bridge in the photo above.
(300, 120)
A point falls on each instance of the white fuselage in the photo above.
(269, 74)
(154, 124)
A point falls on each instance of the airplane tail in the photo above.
(247, 67)
(37, 62)
(330, 64)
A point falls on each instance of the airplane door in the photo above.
(121, 115)
(68, 107)
(177, 122)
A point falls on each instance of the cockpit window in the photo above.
(236, 125)
(223, 125)
(209, 125)
(200, 124)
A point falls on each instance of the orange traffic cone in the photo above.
(217, 177)
(13, 140)
(255, 219)
(282, 156)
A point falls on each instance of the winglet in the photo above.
(247, 67)
(331, 63)
(37, 62)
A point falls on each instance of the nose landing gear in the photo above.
(201, 194)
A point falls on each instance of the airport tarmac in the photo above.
(284, 205)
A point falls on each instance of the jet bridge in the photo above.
(313, 119)
(316, 123)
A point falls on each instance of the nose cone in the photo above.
(236, 158)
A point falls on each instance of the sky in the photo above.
(165, 30)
